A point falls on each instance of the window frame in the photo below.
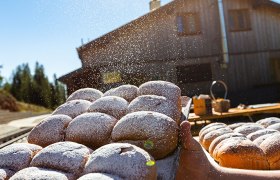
(235, 27)
(186, 29)
(193, 70)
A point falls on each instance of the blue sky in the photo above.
(49, 31)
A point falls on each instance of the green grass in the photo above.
(8, 102)
(24, 107)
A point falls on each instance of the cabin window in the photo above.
(188, 24)
(111, 77)
(194, 73)
(239, 20)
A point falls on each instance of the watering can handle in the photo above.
(225, 86)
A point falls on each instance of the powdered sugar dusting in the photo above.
(124, 160)
(274, 126)
(160, 88)
(6, 174)
(17, 156)
(128, 92)
(99, 176)
(112, 105)
(89, 94)
(41, 173)
(148, 125)
(248, 129)
(73, 108)
(261, 132)
(154, 103)
(271, 146)
(91, 129)
(50, 130)
(64, 156)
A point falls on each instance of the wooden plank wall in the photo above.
(153, 46)
(251, 50)
(156, 39)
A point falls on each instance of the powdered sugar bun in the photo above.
(268, 121)
(124, 160)
(99, 176)
(160, 88)
(128, 92)
(260, 139)
(152, 131)
(166, 89)
(274, 126)
(236, 125)
(241, 154)
(261, 132)
(91, 129)
(219, 139)
(5, 174)
(89, 94)
(248, 129)
(210, 126)
(34, 173)
(112, 105)
(211, 136)
(49, 131)
(271, 148)
(65, 156)
(154, 103)
(73, 108)
(17, 156)
(206, 131)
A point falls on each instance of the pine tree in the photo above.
(16, 84)
(58, 93)
(41, 87)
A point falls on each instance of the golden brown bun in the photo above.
(260, 139)
(271, 148)
(268, 121)
(225, 141)
(242, 154)
(219, 139)
(209, 137)
(236, 125)
(211, 125)
(274, 126)
(248, 129)
(206, 131)
(261, 132)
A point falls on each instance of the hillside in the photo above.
(8, 102)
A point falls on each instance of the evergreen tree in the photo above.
(16, 84)
(21, 84)
(36, 89)
(58, 93)
(1, 77)
(41, 87)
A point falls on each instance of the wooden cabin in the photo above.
(184, 42)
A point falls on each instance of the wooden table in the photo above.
(235, 112)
